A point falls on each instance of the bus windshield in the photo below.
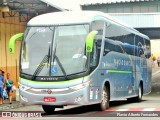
(54, 51)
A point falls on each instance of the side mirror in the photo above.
(12, 42)
(90, 40)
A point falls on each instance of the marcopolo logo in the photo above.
(49, 91)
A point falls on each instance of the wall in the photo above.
(8, 27)
(127, 7)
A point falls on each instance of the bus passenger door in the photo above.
(141, 64)
(94, 57)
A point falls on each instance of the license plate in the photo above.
(49, 99)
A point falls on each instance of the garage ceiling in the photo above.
(27, 8)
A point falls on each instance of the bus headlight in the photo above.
(80, 86)
(24, 87)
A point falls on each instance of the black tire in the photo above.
(140, 93)
(48, 108)
(105, 100)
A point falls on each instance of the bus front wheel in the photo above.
(48, 108)
(105, 100)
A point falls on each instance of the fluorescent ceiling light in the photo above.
(5, 8)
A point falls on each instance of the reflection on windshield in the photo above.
(70, 40)
(35, 47)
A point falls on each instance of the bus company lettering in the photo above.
(49, 78)
(119, 62)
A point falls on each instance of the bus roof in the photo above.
(75, 17)
(68, 17)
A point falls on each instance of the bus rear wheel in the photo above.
(48, 108)
(140, 93)
(139, 97)
(105, 100)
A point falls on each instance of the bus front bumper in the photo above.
(51, 97)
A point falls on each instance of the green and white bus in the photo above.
(82, 58)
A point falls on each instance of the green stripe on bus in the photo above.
(119, 71)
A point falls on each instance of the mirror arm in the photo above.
(90, 40)
(12, 42)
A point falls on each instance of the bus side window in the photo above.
(128, 45)
(98, 48)
(139, 42)
(113, 32)
(119, 48)
(113, 45)
(108, 46)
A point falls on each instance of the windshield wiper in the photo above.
(40, 67)
(49, 55)
(60, 65)
(42, 64)
(64, 72)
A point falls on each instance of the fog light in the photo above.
(24, 99)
